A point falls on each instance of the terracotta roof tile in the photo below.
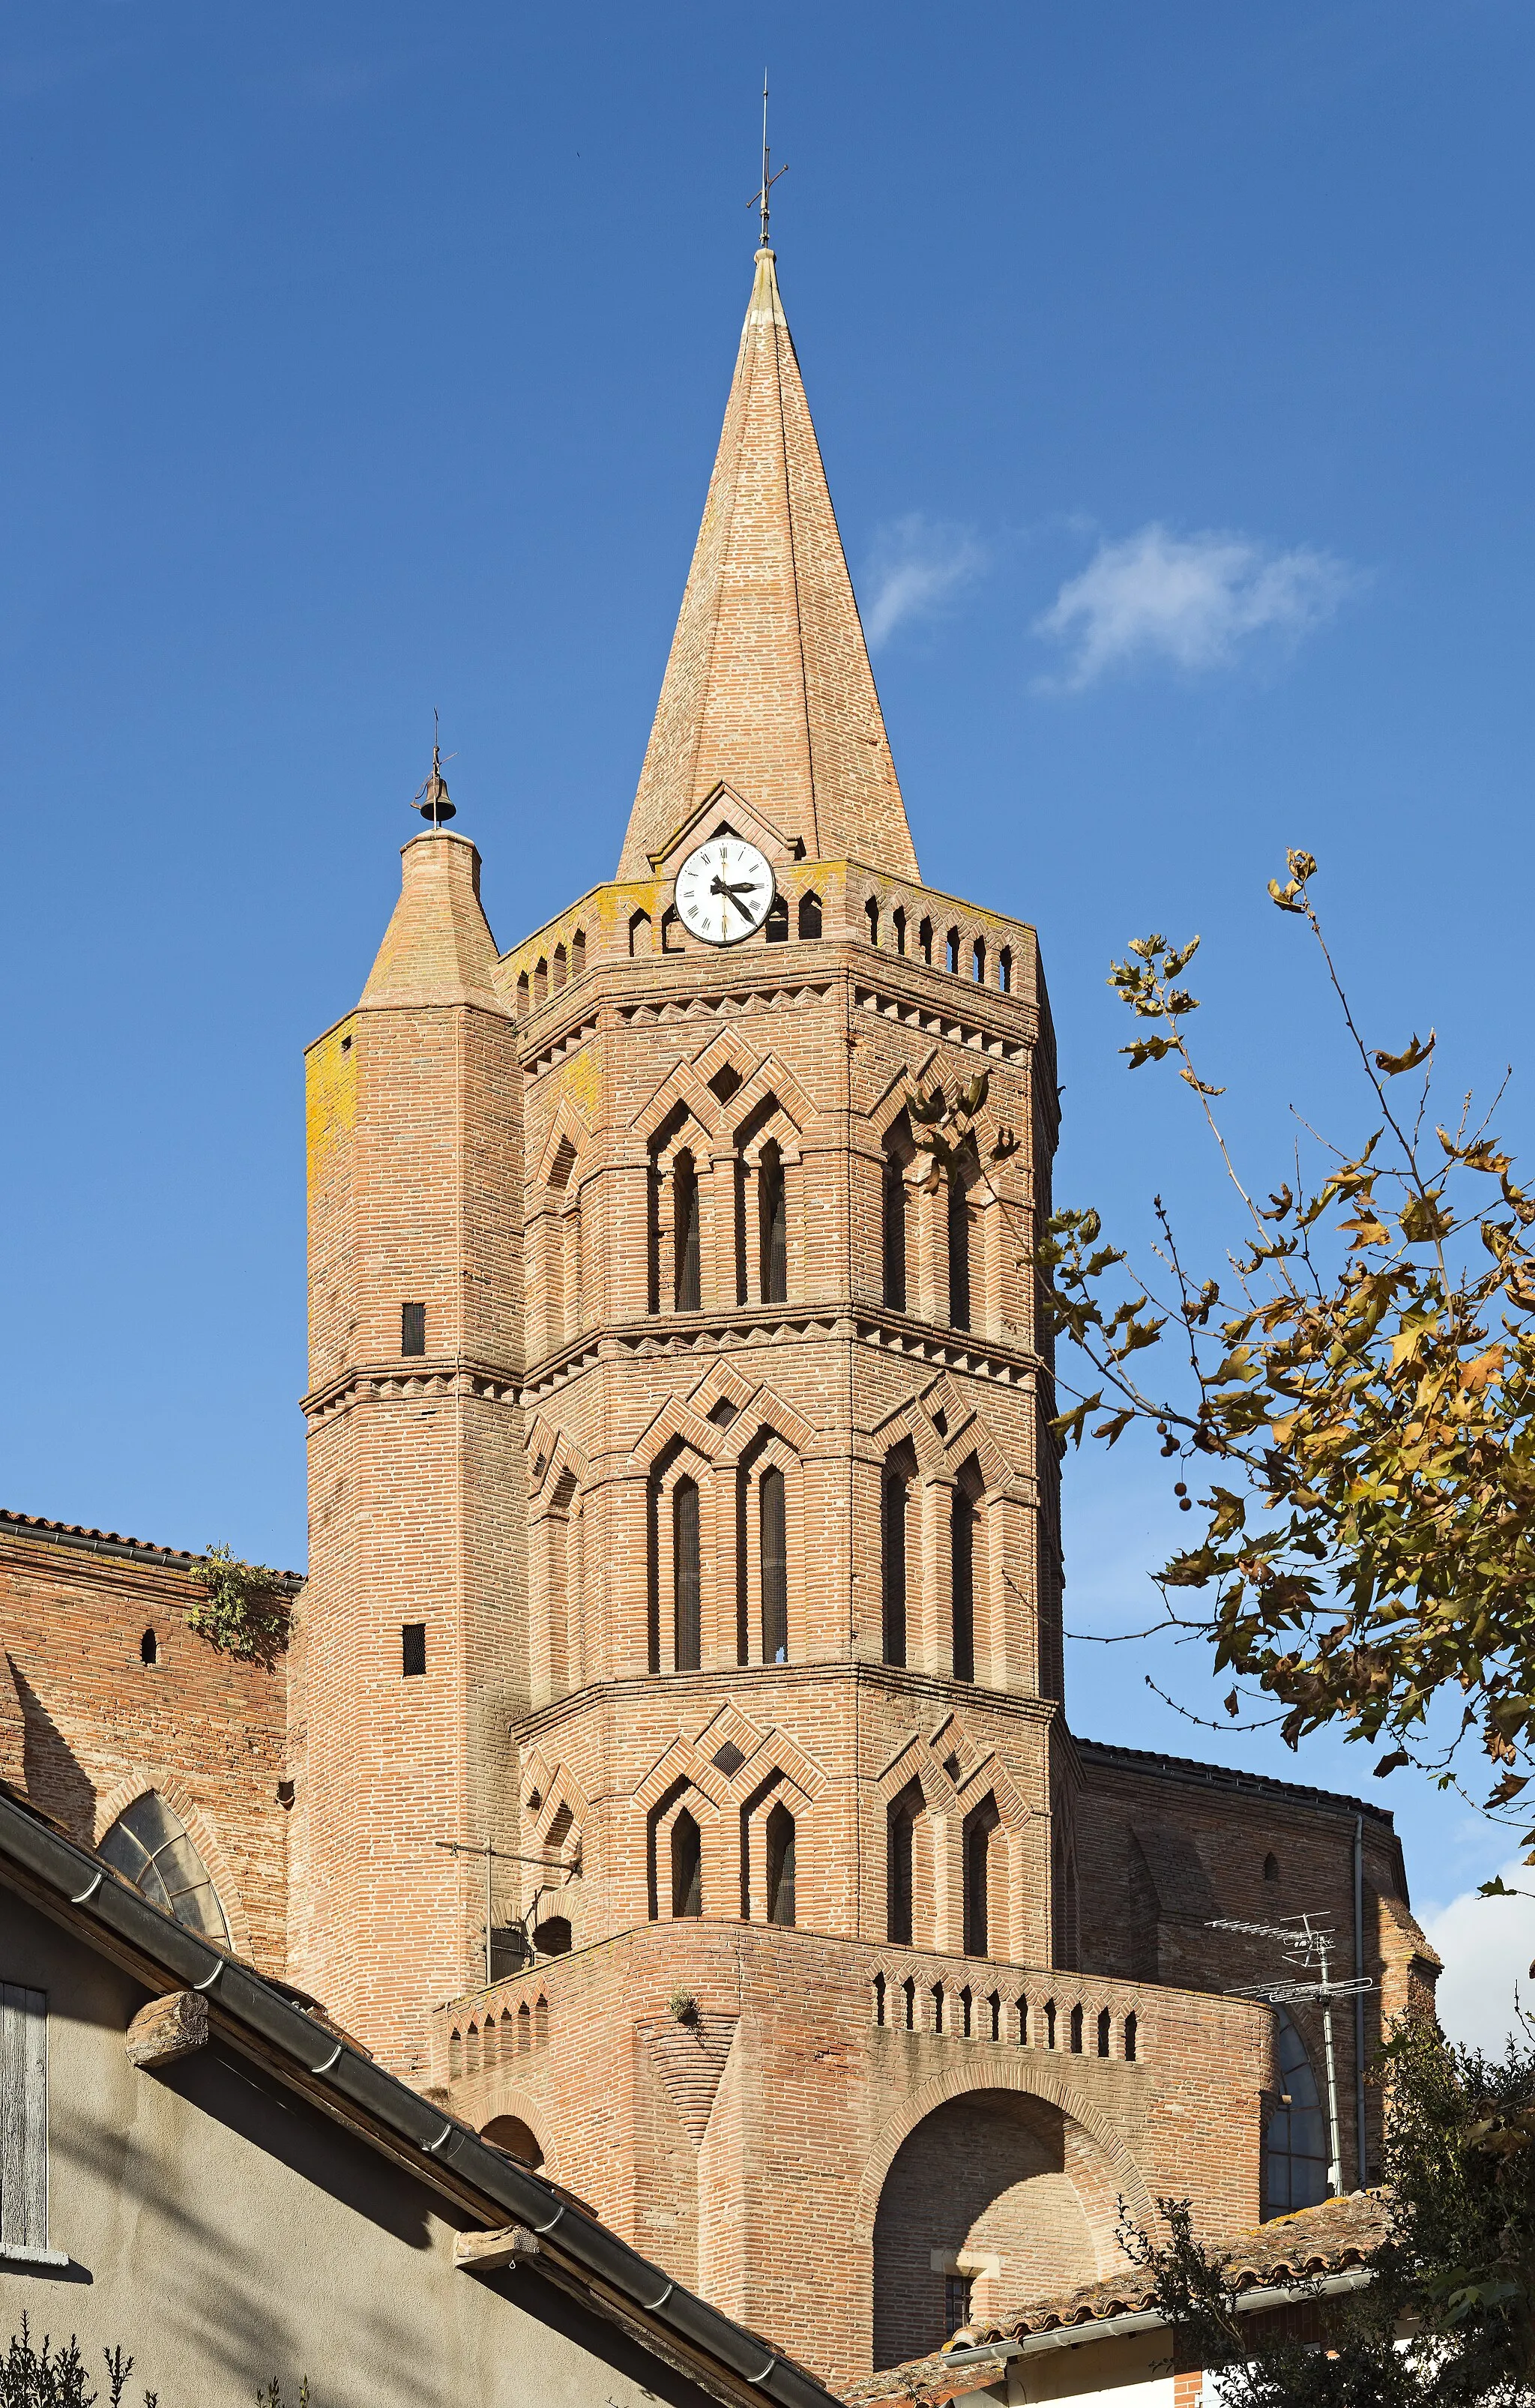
(1324, 2239)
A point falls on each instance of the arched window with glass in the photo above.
(150, 1847)
(1294, 2145)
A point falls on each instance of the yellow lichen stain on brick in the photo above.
(579, 1081)
(330, 1098)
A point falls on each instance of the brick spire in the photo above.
(437, 947)
(768, 686)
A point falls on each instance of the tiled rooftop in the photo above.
(1315, 2241)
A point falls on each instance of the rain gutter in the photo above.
(360, 2093)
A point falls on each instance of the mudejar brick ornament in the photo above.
(670, 1767)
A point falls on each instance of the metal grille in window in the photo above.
(149, 1843)
(956, 2302)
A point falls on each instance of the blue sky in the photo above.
(1173, 373)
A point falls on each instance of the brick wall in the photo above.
(86, 1725)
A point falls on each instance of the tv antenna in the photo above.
(761, 198)
(519, 1923)
(432, 798)
(1308, 1941)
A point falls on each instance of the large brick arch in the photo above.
(1042, 2127)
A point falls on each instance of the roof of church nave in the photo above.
(768, 686)
(108, 1542)
(1226, 1776)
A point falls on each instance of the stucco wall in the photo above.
(224, 2231)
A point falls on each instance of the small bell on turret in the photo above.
(433, 800)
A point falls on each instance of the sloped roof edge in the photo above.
(78, 1889)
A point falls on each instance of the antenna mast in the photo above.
(1308, 1941)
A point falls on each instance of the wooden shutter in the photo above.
(24, 2117)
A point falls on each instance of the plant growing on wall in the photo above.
(243, 1611)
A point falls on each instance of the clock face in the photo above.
(725, 890)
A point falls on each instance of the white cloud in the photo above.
(918, 564)
(1187, 599)
(1488, 1945)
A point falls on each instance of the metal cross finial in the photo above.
(759, 200)
(432, 798)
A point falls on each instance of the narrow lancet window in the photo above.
(780, 1865)
(893, 1565)
(775, 1567)
(979, 1828)
(959, 1253)
(770, 1226)
(893, 1221)
(687, 1866)
(687, 1633)
(962, 1566)
(900, 1861)
(685, 1234)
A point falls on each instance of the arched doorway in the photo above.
(995, 2195)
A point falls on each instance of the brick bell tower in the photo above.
(685, 1516)
(412, 1644)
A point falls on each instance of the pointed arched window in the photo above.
(959, 1249)
(687, 1631)
(150, 1845)
(772, 1233)
(962, 1591)
(899, 1863)
(895, 1499)
(780, 1865)
(687, 1866)
(684, 1194)
(773, 1520)
(1294, 2145)
(893, 1221)
(978, 1835)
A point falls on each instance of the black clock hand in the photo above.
(735, 894)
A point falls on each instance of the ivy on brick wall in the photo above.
(243, 1610)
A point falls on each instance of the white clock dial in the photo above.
(725, 891)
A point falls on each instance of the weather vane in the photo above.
(759, 200)
(432, 799)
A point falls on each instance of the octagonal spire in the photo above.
(769, 688)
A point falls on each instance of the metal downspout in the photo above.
(1361, 2177)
